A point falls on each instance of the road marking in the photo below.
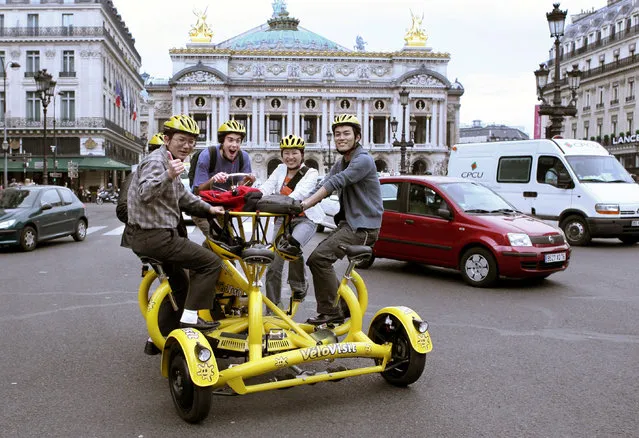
(91, 230)
(116, 232)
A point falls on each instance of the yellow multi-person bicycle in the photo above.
(397, 340)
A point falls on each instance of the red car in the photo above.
(455, 223)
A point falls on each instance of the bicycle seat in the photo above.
(255, 256)
(357, 253)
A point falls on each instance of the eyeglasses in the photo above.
(182, 140)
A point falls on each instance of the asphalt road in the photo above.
(555, 359)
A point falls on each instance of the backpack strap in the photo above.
(213, 151)
(298, 176)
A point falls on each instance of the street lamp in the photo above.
(403, 144)
(5, 143)
(328, 156)
(555, 110)
(45, 88)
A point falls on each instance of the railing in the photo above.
(614, 102)
(630, 99)
(586, 108)
(81, 122)
(595, 45)
(67, 74)
(53, 31)
(599, 105)
(29, 74)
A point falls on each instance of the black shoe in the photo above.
(151, 349)
(201, 325)
(299, 295)
(323, 318)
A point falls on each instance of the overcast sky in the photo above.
(495, 45)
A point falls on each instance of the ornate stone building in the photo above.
(279, 78)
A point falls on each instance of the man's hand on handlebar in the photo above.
(216, 209)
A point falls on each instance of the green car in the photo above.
(32, 214)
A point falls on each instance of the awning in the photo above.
(102, 163)
(85, 163)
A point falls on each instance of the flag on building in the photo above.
(118, 94)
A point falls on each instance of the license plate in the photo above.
(634, 224)
(558, 257)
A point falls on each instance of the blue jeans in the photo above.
(303, 230)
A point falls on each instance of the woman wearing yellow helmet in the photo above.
(354, 177)
(156, 141)
(292, 178)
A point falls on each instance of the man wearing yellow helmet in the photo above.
(292, 178)
(156, 196)
(215, 163)
(354, 177)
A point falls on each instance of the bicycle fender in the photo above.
(421, 342)
(202, 373)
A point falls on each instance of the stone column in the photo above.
(254, 127)
(283, 126)
(386, 130)
(331, 114)
(325, 120)
(290, 122)
(434, 127)
(366, 137)
(223, 110)
(318, 137)
(296, 127)
(268, 130)
(208, 129)
(428, 129)
(153, 126)
(442, 123)
(261, 141)
(185, 101)
(249, 129)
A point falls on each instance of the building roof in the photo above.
(281, 32)
(498, 132)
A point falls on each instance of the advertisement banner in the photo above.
(537, 129)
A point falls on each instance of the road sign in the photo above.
(55, 174)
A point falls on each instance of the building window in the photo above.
(67, 24)
(67, 99)
(32, 24)
(310, 129)
(587, 64)
(586, 129)
(379, 130)
(615, 93)
(274, 129)
(33, 106)
(1, 24)
(33, 62)
(68, 64)
(631, 90)
(629, 122)
(2, 105)
(613, 124)
(2, 61)
(599, 127)
(574, 130)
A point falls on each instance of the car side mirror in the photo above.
(445, 213)
(564, 181)
(45, 206)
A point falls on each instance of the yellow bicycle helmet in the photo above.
(292, 142)
(346, 119)
(182, 123)
(157, 139)
(231, 127)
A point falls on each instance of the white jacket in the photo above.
(302, 190)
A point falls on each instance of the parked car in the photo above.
(32, 214)
(459, 224)
(330, 205)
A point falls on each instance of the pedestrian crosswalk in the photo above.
(104, 230)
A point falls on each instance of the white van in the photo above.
(576, 183)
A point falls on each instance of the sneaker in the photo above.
(201, 325)
(151, 349)
(324, 318)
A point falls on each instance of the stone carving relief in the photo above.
(163, 107)
(345, 70)
(51, 54)
(424, 80)
(380, 70)
(15, 54)
(259, 69)
(294, 71)
(83, 54)
(328, 71)
(311, 69)
(196, 77)
(363, 72)
(240, 69)
(276, 69)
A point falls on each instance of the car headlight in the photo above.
(519, 239)
(607, 208)
(7, 223)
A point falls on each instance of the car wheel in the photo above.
(478, 267)
(28, 238)
(320, 228)
(576, 230)
(80, 231)
(192, 402)
(629, 240)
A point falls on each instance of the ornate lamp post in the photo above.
(555, 110)
(45, 88)
(5, 143)
(403, 144)
(327, 155)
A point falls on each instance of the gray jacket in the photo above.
(357, 184)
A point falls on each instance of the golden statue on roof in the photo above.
(416, 36)
(200, 32)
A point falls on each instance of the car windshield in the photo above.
(598, 169)
(475, 198)
(14, 198)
